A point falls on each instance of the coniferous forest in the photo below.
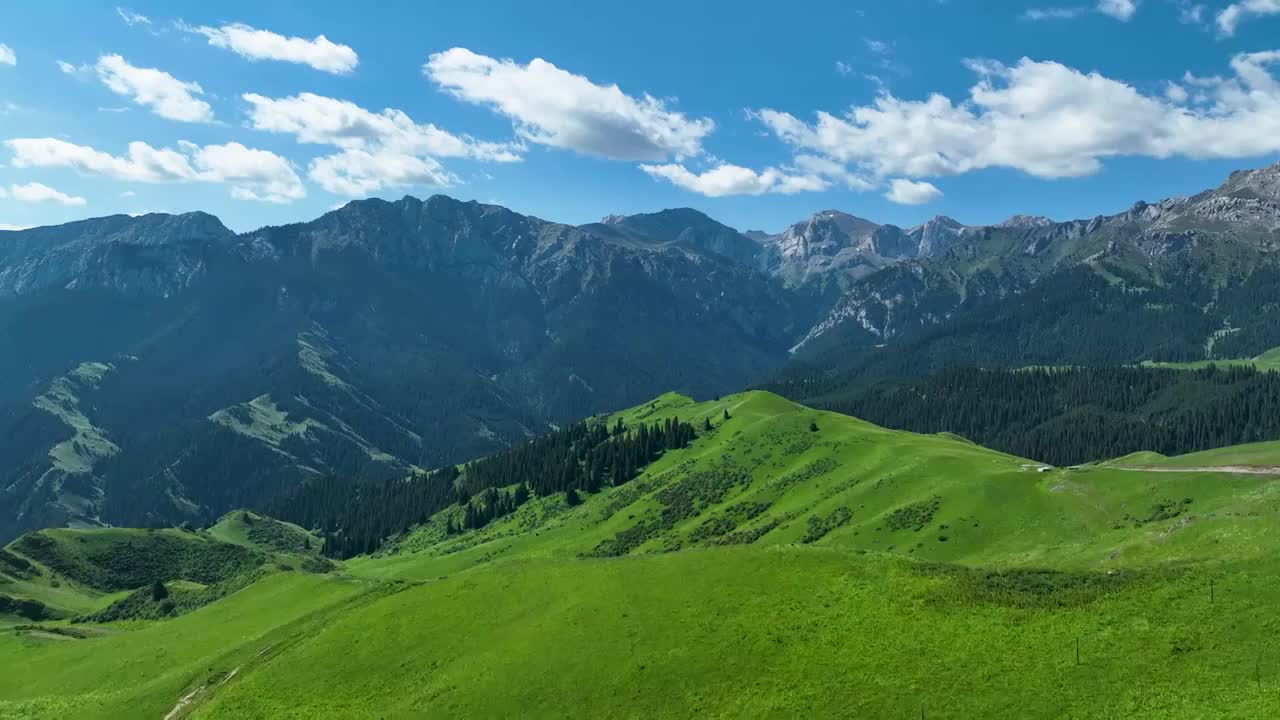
(582, 458)
(1068, 415)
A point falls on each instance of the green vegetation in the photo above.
(1067, 415)
(161, 600)
(124, 559)
(143, 670)
(253, 530)
(584, 457)
(1269, 360)
(913, 569)
(1263, 455)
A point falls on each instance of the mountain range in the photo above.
(160, 368)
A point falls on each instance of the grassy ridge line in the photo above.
(856, 486)
(1262, 455)
(265, 534)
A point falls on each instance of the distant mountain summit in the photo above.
(154, 253)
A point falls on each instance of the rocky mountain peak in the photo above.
(1026, 221)
(1262, 183)
(850, 225)
(936, 235)
(156, 254)
(688, 227)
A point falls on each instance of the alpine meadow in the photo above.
(323, 393)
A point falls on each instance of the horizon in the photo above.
(744, 231)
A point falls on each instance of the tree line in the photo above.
(582, 458)
(1068, 415)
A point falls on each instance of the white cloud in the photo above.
(843, 68)
(1048, 120)
(383, 149)
(728, 179)
(128, 194)
(1121, 10)
(909, 192)
(166, 95)
(358, 172)
(328, 121)
(877, 46)
(7, 55)
(36, 192)
(132, 18)
(1190, 14)
(14, 228)
(1232, 15)
(3, 193)
(254, 44)
(251, 174)
(554, 107)
(1054, 13)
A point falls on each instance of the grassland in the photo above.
(789, 563)
(1270, 360)
(1263, 455)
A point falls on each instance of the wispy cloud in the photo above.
(253, 44)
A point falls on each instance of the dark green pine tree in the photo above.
(726, 413)
(571, 498)
(706, 424)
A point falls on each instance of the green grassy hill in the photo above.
(1251, 457)
(1269, 360)
(789, 563)
(259, 532)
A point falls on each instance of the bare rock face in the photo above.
(1218, 232)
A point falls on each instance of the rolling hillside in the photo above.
(923, 572)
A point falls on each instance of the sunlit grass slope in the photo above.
(141, 670)
(781, 632)
(790, 563)
(765, 477)
(1263, 455)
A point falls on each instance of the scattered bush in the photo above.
(914, 516)
(125, 560)
(820, 526)
(29, 609)
(1163, 510)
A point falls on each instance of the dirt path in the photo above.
(1229, 469)
(190, 697)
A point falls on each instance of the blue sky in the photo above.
(758, 116)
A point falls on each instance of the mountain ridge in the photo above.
(384, 337)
